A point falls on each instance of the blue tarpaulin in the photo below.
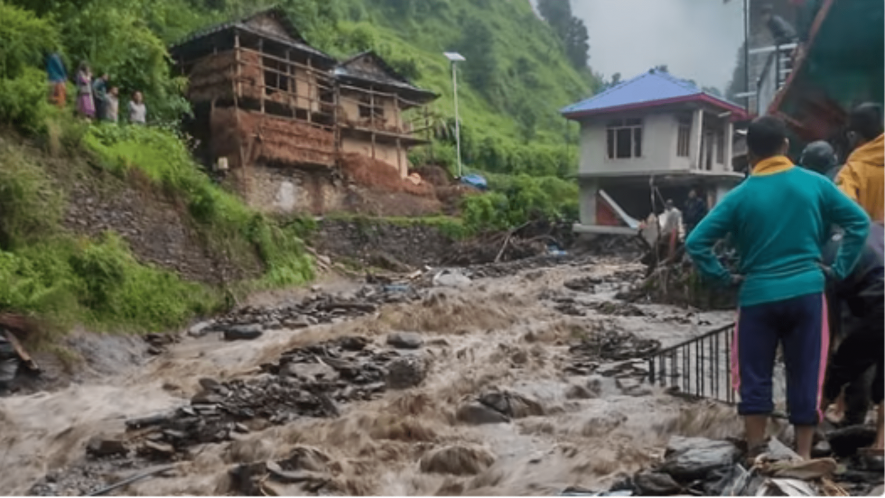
(475, 181)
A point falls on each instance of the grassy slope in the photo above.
(51, 272)
(518, 32)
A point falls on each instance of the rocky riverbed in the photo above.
(476, 383)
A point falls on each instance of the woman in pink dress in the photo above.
(85, 104)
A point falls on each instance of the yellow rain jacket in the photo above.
(863, 177)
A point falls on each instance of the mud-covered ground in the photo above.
(476, 393)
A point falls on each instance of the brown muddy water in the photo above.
(496, 334)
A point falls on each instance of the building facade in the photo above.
(647, 140)
(275, 116)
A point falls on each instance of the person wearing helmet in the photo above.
(820, 157)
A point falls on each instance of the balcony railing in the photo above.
(776, 71)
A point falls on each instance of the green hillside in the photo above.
(519, 72)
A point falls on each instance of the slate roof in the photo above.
(276, 12)
(646, 90)
(350, 69)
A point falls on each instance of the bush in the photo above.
(29, 205)
(24, 39)
(23, 101)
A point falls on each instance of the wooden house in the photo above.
(273, 114)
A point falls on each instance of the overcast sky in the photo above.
(697, 39)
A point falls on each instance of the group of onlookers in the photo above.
(811, 243)
(96, 99)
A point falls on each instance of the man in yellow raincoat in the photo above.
(863, 177)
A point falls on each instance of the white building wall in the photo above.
(658, 146)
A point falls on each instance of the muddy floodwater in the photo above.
(504, 338)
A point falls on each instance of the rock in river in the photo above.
(692, 458)
(475, 413)
(403, 373)
(405, 340)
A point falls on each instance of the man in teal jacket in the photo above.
(780, 219)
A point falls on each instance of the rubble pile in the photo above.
(700, 466)
(305, 382)
(678, 283)
(248, 322)
(614, 345)
(546, 260)
(593, 283)
(493, 249)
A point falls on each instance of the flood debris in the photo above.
(451, 278)
(248, 322)
(611, 344)
(701, 466)
(310, 381)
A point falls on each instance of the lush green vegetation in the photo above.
(48, 271)
(520, 70)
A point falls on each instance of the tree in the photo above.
(662, 68)
(738, 82)
(557, 13)
(571, 30)
(577, 43)
(481, 67)
(712, 90)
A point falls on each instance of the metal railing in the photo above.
(698, 367)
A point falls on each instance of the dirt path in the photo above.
(498, 335)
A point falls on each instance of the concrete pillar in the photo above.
(588, 190)
(697, 128)
(729, 145)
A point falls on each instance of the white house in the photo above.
(654, 135)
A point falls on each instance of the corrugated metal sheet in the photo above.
(647, 88)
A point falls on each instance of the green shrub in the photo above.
(23, 101)
(30, 206)
(24, 39)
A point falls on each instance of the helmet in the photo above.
(819, 157)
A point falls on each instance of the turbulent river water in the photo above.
(497, 333)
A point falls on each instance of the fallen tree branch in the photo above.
(130, 480)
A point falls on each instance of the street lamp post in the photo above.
(455, 57)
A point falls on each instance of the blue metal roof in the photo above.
(645, 89)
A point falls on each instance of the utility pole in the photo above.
(455, 57)
(747, 53)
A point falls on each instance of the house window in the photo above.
(720, 148)
(275, 77)
(624, 138)
(367, 111)
(683, 139)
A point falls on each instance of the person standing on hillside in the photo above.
(100, 95)
(137, 109)
(58, 78)
(779, 219)
(85, 104)
(113, 110)
(863, 177)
